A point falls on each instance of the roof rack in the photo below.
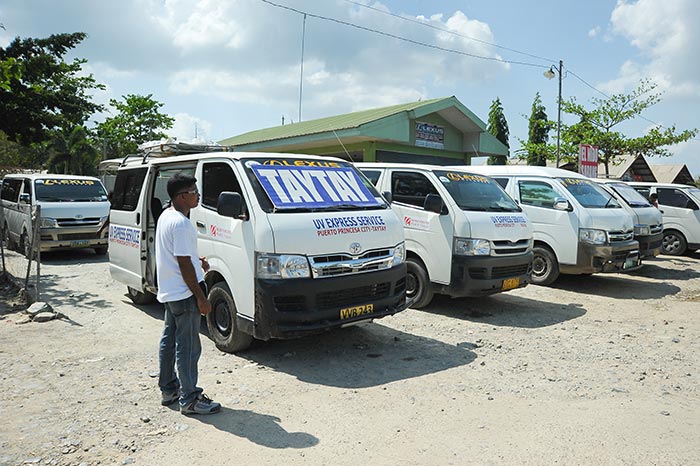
(170, 149)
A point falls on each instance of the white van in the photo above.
(579, 228)
(464, 235)
(297, 244)
(648, 221)
(74, 211)
(680, 207)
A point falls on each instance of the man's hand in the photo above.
(205, 264)
(204, 306)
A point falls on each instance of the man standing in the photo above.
(180, 270)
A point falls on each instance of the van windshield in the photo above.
(630, 195)
(310, 185)
(69, 190)
(589, 194)
(476, 192)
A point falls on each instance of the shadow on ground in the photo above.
(657, 268)
(73, 257)
(261, 429)
(619, 286)
(52, 292)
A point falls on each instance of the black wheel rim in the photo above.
(412, 285)
(222, 318)
(539, 266)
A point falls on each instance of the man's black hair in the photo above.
(178, 182)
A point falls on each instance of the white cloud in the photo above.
(666, 34)
(189, 128)
(594, 31)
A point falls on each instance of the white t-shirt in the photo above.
(175, 236)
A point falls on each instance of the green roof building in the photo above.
(438, 131)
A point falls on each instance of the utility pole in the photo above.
(301, 73)
(561, 65)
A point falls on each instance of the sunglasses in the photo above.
(195, 191)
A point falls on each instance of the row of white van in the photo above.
(74, 211)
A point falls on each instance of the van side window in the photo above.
(643, 190)
(127, 189)
(675, 198)
(216, 178)
(411, 188)
(10, 189)
(537, 193)
(372, 175)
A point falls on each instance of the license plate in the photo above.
(356, 311)
(510, 283)
(79, 243)
(630, 262)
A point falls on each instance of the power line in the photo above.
(394, 36)
(454, 33)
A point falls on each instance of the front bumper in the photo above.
(484, 275)
(296, 307)
(650, 245)
(53, 239)
(594, 258)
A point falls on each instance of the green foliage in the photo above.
(137, 120)
(14, 156)
(598, 125)
(50, 94)
(10, 70)
(498, 127)
(72, 153)
(535, 149)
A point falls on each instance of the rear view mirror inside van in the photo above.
(562, 204)
(229, 204)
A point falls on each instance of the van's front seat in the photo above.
(156, 208)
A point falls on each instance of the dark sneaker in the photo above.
(168, 398)
(202, 405)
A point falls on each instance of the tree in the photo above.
(498, 127)
(536, 149)
(598, 126)
(49, 93)
(137, 120)
(72, 153)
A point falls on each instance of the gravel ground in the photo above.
(594, 370)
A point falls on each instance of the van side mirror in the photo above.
(433, 203)
(562, 204)
(229, 204)
(25, 199)
(387, 196)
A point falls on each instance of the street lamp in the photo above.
(549, 74)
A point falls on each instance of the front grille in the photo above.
(334, 265)
(622, 255)
(290, 303)
(73, 236)
(510, 248)
(78, 222)
(509, 271)
(618, 236)
(478, 273)
(361, 294)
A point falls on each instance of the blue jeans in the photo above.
(180, 345)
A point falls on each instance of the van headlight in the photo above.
(281, 266)
(471, 247)
(642, 230)
(593, 236)
(48, 222)
(399, 254)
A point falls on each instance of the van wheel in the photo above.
(25, 245)
(674, 243)
(545, 268)
(140, 297)
(418, 284)
(101, 250)
(221, 321)
(6, 236)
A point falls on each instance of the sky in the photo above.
(226, 67)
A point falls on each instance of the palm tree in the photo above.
(72, 153)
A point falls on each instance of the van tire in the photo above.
(418, 284)
(674, 243)
(140, 297)
(6, 236)
(545, 268)
(221, 321)
(24, 245)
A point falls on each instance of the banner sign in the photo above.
(292, 187)
(588, 160)
(428, 135)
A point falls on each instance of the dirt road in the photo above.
(595, 370)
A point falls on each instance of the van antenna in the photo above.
(342, 145)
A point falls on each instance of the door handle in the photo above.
(200, 224)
